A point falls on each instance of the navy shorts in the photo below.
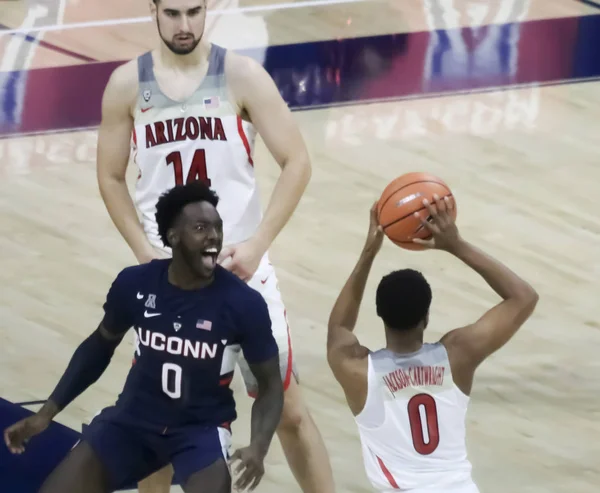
(131, 452)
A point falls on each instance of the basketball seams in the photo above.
(418, 210)
(408, 185)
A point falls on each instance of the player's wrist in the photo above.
(458, 247)
(260, 243)
(260, 447)
(48, 411)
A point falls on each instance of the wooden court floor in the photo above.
(526, 185)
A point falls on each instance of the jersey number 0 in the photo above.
(171, 380)
(197, 169)
(424, 445)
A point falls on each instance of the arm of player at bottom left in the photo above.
(88, 363)
(262, 354)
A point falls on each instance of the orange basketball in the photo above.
(401, 199)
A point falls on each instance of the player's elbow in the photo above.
(531, 300)
(109, 179)
(303, 173)
(522, 306)
(528, 298)
(271, 389)
(305, 166)
(300, 166)
(331, 356)
(268, 377)
(334, 341)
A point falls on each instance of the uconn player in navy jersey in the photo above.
(191, 316)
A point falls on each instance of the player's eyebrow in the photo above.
(204, 222)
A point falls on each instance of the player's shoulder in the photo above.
(233, 283)
(134, 274)
(238, 291)
(125, 75)
(123, 82)
(244, 73)
(241, 65)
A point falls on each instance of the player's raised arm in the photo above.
(87, 364)
(341, 341)
(261, 353)
(345, 355)
(470, 345)
(259, 97)
(114, 145)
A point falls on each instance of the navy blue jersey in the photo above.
(187, 344)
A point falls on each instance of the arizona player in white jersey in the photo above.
(192, 110)
(409, 400)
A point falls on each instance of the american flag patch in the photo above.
(204, 324)
(211, 103)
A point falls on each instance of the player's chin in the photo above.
(183, 47)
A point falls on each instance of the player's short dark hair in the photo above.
(171, 203)
(403, 299)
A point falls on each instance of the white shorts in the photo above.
(265, 282)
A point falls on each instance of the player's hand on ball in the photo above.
(375, 234)
(17, 435)
(441, 225)
(251, 468)
(242, 259)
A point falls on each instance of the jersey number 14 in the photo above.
(197, 170)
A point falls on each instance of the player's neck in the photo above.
(404, 343)
(180, 275)
(192, 60)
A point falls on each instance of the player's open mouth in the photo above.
(209, 257)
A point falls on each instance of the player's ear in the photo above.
(153, 6)
(173, 237)
(426, 320)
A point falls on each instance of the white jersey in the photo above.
(202, 138)
(412, 428)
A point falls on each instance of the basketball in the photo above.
(401, 199)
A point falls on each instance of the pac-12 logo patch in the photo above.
(147, 94)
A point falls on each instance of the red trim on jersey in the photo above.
(244, 139)
(226, 380)
(387, 474)
(134, 136)
(288, 373)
